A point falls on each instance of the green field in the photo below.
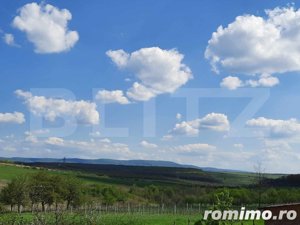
(8, 172)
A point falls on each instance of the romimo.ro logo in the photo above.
(244, 214)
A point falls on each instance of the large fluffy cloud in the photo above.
(157, 71)
(46, 27)
(83, 111)
(213, 121)
(277, 128)
(116, 96)
(15, 117)
(255, 45)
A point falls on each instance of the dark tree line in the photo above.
(42, 189)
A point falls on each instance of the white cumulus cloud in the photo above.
(147, 144)
(256, 45)
(213, 121)
(265, 80)
(46, 26)
(231, 83)
(116, 96)
(189, 128)
(85, 112)
(157, 71)
(15, 117)
(277, 128)
(55, 141)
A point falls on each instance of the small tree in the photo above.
(152, 192)
(15, 193)
(222, 201)
(72, 192)
(41, 189)
(7, 196)
(58, 189)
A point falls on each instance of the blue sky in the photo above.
(113, 79)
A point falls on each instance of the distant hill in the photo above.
(152, 163)
(136, 173)
(101, 161)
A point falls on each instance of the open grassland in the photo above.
(10, 171)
